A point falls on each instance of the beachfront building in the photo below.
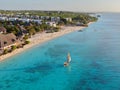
(53, 24)
(42, 17)
(8, 40)
(55, 19)
(12, 19)
(3, 30)
(25, 20)
(3, 18)
(69, 19)
(38, 21)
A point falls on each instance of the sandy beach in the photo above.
(41, 38)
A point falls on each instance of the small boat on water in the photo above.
(68, 60)
(80, 30)
(98, 15)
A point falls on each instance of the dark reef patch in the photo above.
(44, 67)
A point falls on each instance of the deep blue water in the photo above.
(95, 62)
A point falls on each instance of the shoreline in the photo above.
(40, 38)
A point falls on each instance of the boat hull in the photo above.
(66, 63)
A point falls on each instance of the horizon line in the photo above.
(60, 10)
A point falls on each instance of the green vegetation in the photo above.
(12, 29)
(64, 18)
(5, 51)
(31, 28)
(62, 14)
(25, 37)
(56, 29)
(84, 18)
(27, 42)
(47, 21)
(13, 47)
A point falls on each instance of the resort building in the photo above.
(12, 19)
(37, 21)
(25, 20)
(69, 19)
(55, 19)
(53, 24)
(3, 18)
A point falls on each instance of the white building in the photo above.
(69, 19)
(55, 19)
(24, 20)
(12, 19)
(3, 18)
(53, 24)
(37, 21)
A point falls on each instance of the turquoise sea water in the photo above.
(95, 62)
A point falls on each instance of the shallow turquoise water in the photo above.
(95, 61)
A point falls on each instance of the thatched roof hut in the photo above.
(7, 40)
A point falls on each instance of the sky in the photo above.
(64, 5)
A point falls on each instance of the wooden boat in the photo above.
(66, 63)
(80, 30)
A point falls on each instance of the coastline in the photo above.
(43, 37)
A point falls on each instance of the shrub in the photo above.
(5, 51)
(56, 30)
(27, 42)
(25, 37)
(13, 47)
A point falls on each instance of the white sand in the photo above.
(41, 38)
